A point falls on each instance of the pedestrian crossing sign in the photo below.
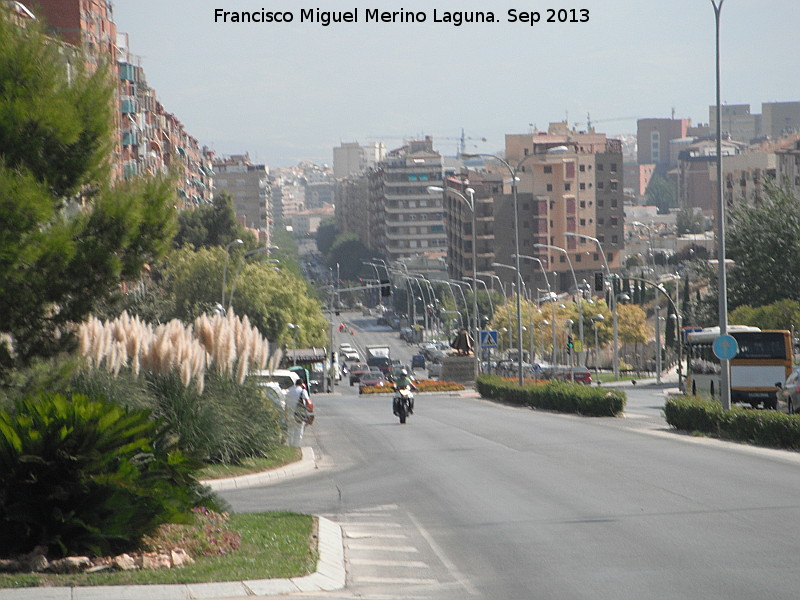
(489, 339)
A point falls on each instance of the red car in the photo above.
(357, 371)
(372, 379)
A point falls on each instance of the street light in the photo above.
(294, 327)
(519, 316)
(514, 180)
(470, 202)
(225, 272)
(577, 291)
(551, 297)
(725, 383)
(614, 315)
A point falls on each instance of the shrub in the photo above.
(561, 396)
(85, 476)
(762, 427)
(228, 423)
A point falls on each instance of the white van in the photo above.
(283, 377)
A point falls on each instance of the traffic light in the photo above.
(570, 344)
(386, 288)
(598, 282)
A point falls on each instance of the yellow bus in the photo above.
(764, 360)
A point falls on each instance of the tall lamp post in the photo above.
(514, 180)
(725, 383)
(614, 315)
(577, 291)
(225, 272)
(551, 298)
(470, 202)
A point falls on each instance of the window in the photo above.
(582, 186)
(583, 203)
(567, 187)
(614, 239)
(614, 167)
(613, 185)
(600, 166)
(582, 168)
(600, 185)
(549, 187)
(548, 169)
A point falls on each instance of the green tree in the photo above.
(69, 236)
(212, 224)
(350, 253)
(763, 239)
(661, 193)
(689, 221)
(326, 236)
(783, 314)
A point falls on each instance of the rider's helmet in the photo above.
(403, 372)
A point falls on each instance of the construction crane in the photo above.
(590, 123)
(462, 141)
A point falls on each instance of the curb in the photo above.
(305, 465)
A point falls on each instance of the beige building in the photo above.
(568, 182)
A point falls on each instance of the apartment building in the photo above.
(570, 182)
(352, 158)
(150, 139)
(405, 220)
(249, 187)
(737, 122)
(788, 166)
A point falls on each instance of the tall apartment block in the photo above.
(249, 186)
(150, 139)
(405, 220)
(567, 182)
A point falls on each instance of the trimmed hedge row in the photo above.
(761, 427)
(561, 396)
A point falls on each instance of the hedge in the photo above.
(560, 396)
(760, 427)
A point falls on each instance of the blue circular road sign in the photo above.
(725, 347)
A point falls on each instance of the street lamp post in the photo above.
(725, 383)
(470, 202)
(514, 180)
(577, 291)
(519, 316)
(614, 315)
(552, 299)
(225, 272)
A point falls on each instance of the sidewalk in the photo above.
(330, 574)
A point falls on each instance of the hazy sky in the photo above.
(286, 92)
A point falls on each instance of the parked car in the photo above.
(418, 361)
(356, 371)
(283, 377)
(372, 379)
(434, 369)
(351, 354)
(565, 373)
(790, 391)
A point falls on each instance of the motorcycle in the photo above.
(403, 403)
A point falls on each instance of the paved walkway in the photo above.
(330, 574)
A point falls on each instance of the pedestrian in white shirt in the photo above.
(298, 402)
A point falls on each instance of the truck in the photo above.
(379, 356)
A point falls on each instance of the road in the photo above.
(473, 499)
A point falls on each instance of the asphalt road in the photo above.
(472, 499)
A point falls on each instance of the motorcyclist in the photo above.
(403, 381)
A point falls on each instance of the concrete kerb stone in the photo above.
(305, 465)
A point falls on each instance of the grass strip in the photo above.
(282, 456)
(274, 545)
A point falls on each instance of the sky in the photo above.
(288, 92)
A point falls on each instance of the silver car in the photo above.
(790, 391)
